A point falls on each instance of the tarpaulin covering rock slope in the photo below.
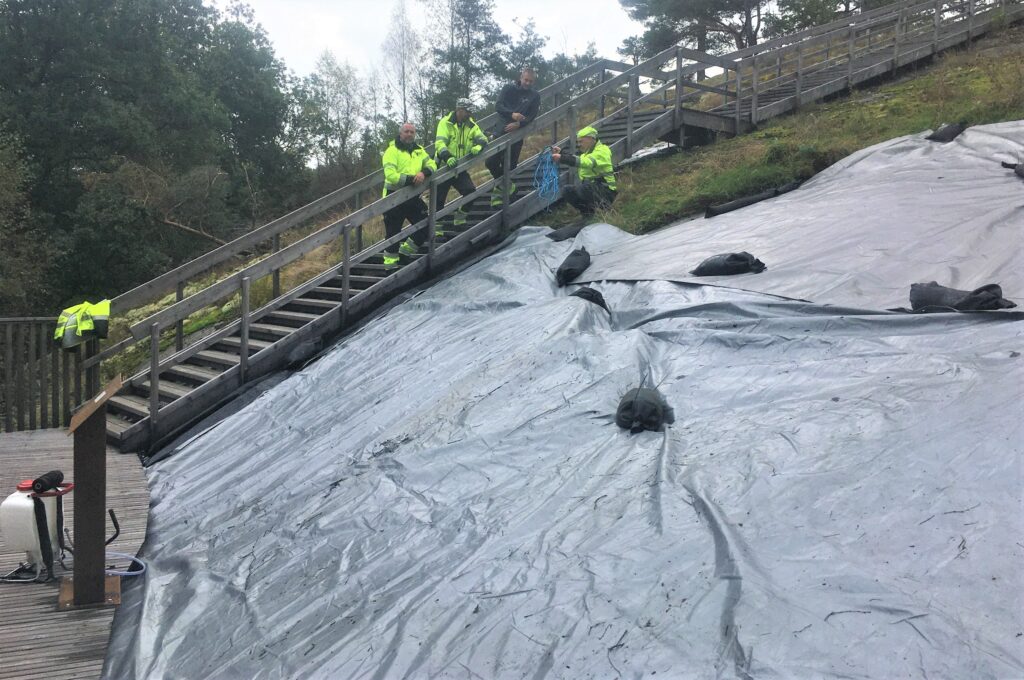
(446, 494)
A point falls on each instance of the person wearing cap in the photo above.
(517, 106)
(458, 137)
(597, 176)
(406, 163)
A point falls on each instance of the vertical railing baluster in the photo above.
(604, 76)
(739, 90)
(677, 115)
(431, 225)
(243, 345)
(55, 358)
(634, 83)
(276, 280)
(30, 363)
(8, 377)
(154, 381)
(65, 374)
(755, 86)
(936, 20)
(346, 263)
(799, 73)
(179, 327)
(506, 186)
(44, 396)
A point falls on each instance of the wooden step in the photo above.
(329, 293)
(235, 344)
(130, 404)
(269, 330)
(116, 425)
(191, 372)
(168, 389)
(294, 319)
(216, 358)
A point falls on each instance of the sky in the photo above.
(354, 29)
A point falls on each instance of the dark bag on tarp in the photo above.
(947, 132)
(572, 266)
(591, 295)
(722, 208)
(728, 264)
(566, 233)
(643, 409)
(931, 297)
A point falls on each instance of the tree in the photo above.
(336, 91)
(402, 47)
(699, 20)
(796, 15)
(24, 287)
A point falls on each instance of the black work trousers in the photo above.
(589, 196)
(414, 210)
(496, 163)
(462, 182)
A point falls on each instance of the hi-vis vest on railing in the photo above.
(78, 323)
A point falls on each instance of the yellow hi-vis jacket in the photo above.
(458, 139)
(402, 162)
(78, 323)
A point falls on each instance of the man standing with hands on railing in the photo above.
(406, 163)
(458, 137)
(517, 106)
(597, 188)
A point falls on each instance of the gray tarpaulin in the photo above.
(445, 494)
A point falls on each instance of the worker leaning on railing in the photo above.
(458, 137)
(406, 163)
(597, 175)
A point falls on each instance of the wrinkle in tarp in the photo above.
(445, 494)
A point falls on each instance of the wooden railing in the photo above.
(41, 384)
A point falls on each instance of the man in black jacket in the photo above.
(517, 106)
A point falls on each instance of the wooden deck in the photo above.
(37, 641)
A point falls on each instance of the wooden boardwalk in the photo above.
(37, 641)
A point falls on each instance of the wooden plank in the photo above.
(36, 641)
(19, 387)
(8, 376)
(30, 370)
(44, 396)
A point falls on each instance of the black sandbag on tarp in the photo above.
(574, 265)
(643, 409)
(931, 297)
(591, 295)
(713, 210)
(1018, 168)
(729, 264)
(566, 233)
(947, 132)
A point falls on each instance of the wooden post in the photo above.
(359, 239)
(852, 56)
(243, 345)
(506, 186)
(799, 73)
(41, 366)
(18, 404)
(78, 375)
(677, 115)
(154, 380)
(970, 21)
(276, 280)
(630, 98)
(9, 376)
(739, 82)
(572, 140)
(30, 377)
(90, 505)
(896, 41)
(65, 373)
(346, 270)
(554, 126)
(179, 327)
(755, 85)
(55, 420)
(431, 225)
(89, 584)
(604, 76)
(936, 20)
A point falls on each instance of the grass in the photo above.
(983, 85)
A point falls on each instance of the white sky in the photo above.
(354, 29)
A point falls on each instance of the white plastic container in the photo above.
(18, 522)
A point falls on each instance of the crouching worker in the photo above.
(406, 163)
(458, 137)
(598, 189)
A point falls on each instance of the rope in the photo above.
(545, 177)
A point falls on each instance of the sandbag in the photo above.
(643, 409)
(591, 295)
(931, 297)
(947, 132)
(572, 266)
(566, 233)
(729, 264)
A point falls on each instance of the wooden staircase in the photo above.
(194, 379)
